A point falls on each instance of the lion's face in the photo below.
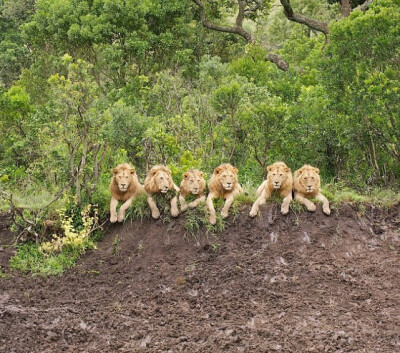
(163, 181)
(194, 181)
(309, 179)
(227, 176)
(277, 174)
(123, 176)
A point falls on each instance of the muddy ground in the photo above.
(300, 283)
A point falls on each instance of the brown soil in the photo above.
(300, 283)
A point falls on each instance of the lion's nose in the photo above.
(123, 185)
(276, 182)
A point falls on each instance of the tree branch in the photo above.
(345, 7)
(365, 6)
(238, 29)
(278, 61)
(309, 22)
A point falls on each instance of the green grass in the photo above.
(4, 275)
(29, 259)
(379, 197)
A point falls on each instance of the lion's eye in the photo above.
(305, 178)
(312, 178)
(280, 174)
(274, 174)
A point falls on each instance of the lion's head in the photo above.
(307, 180)
(226, 175)
(278, 175)
(159, 179)
(193, 183)
(123, 176)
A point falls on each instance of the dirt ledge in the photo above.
(298, 283)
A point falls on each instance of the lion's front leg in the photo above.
(183, 203)
(113, 210)
(123, 208)
(325, 204)
(310, 206)
(286, 204)
(174, 207)
(260, 200)
(196, 202)
(225, 209)
(155, 213)
(210, 205)
(261, 188)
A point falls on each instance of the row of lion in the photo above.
(223, 183)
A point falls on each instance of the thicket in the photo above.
(88, 84)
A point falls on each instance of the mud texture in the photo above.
(298, 283)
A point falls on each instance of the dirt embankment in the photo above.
(300, 283)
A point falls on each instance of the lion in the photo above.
(159, 181)
(223, 183)
(280, 180)
(307, 185)
(124, 186)
(193, 183)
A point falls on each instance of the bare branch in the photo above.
(278, 61)
(309, 22)
(238, 29)
(345, 7)
(365, 6)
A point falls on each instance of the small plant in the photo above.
(139, 208)
(115, 245)
(215, 247)
(4, 275)
(76, 228)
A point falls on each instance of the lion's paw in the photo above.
(284, 211)
(155, 214)
(224, 214)
(311, 207)
(174, 213)
(121, 217)
(113, 218)
(184, 207)
(253, 213)
(326, 210)
(213, 220)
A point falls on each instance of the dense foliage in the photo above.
(87, 84)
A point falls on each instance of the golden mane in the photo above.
(150, 184)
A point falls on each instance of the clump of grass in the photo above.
(29, 258)
(4, 275)
(139, 209)
(339, 193)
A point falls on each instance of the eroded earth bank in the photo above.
(300, 283)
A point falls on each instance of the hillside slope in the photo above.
(300, 283)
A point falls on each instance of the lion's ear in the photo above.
(132, 171)
(153, 172)
(316, 170)
(201, 174)
(300, 171)
(269, 168)
(235, 170)
(287, 169)
(185, 175)
(217, 170)
(115, 171)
